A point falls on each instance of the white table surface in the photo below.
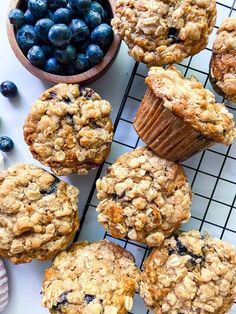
(212, 175)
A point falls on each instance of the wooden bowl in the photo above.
(82, 78)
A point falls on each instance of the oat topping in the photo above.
(189, 100)
(223, 63)
(97, 278)
(190, 274)
(38, 214)
(161, 32)
(143, 197)
(69, 129)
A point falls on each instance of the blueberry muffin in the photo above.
(223, 62)
(143, 197)
(190, 274)
(38, 214)
(161, 32)
(69, 129)
(178, 117)
(91, 279)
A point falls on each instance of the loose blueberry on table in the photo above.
(64, 37)
(6, 144)
(8, 89)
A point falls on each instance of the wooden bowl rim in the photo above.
(82, 78)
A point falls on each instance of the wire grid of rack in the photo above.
(212, 173)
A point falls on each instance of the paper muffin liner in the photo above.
(165, 133)
(3, 287)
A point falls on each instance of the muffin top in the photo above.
(143, 197)
(38, 213)
(223, 63)
(91, 278)
(69, 129)
(188, 99)
(190, 274)
(161, 32)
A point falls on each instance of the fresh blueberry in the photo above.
(52, 66)
(94, 54)
(42, 28)
(36, 56)
(8, 89)
(102, 35)
(82, 62)
(47, 50)
(95, 6)
(79, 30)
(92, 18)
(6, 144)
(29, 18)
(38, 7)
(16, 17)
(56, 4)
(66, 55)
(62, 15)
(26, 37)
(69, 69)
(80, 5)
(60, 35)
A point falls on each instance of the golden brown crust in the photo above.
(189, 100)
(38, 214)
(223, 62)
(69, 129)
(190, 274)
(97, 278)
(161, 32)
(143, 197)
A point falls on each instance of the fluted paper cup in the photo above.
(165, 133)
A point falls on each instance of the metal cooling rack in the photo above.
(212, 173)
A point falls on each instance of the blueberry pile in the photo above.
(63, 37)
